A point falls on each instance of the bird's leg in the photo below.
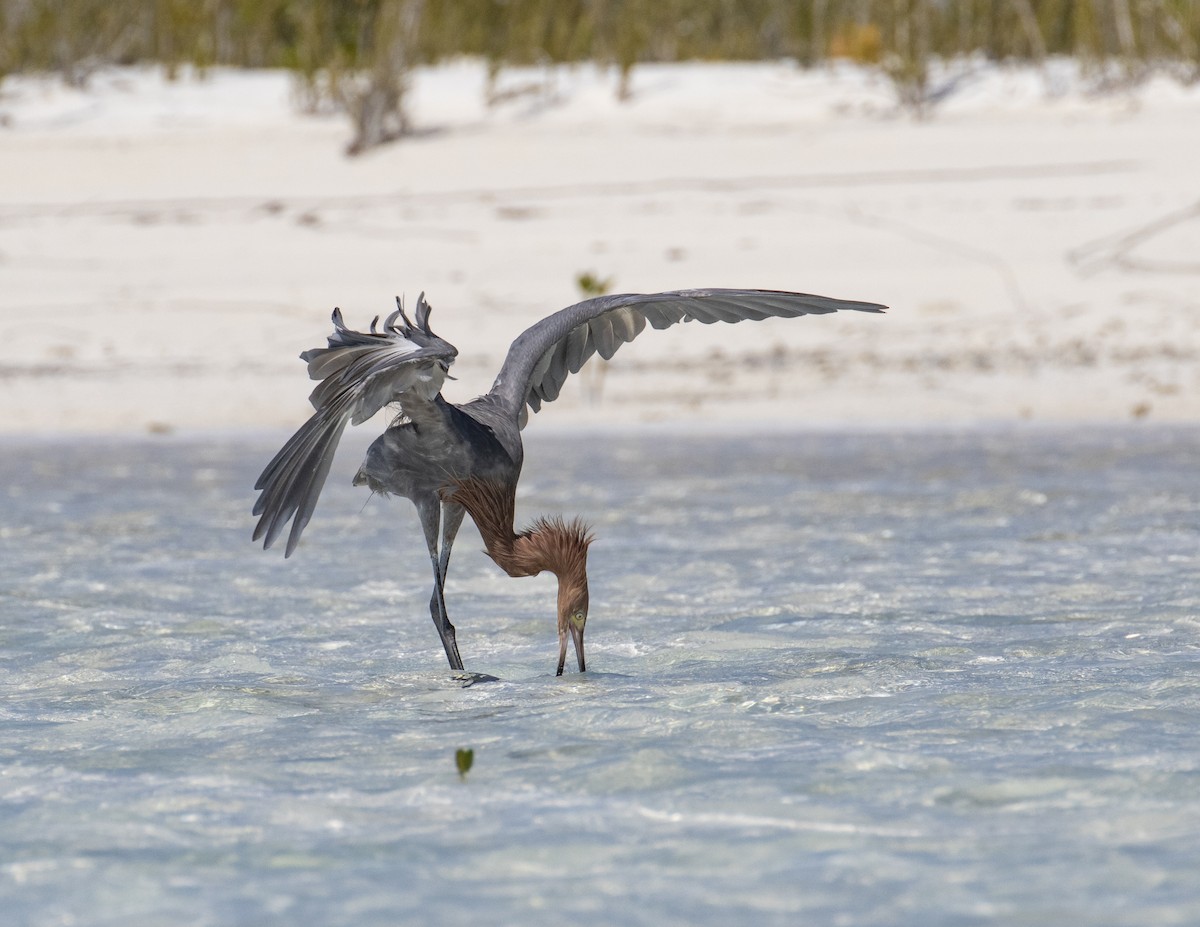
(452, 516)
(430, 512)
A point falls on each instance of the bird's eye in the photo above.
(578, 619)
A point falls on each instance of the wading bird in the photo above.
(451, 459)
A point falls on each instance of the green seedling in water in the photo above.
(463, 759)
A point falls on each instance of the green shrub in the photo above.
(357, 53)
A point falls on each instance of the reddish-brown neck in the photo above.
(550, 544)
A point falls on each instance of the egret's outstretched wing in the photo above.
(360, 373)
(541, 359)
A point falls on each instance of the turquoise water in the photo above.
(863, 679)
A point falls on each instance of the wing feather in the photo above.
(579, 347)
(603, 336)
(541, 359)
(359, 373)
(664, 316)
(552, 384)
(627, 324)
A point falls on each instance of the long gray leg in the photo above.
(430, 511)
(452, 516)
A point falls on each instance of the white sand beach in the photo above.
(168, 248)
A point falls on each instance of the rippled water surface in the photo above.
(919, 678)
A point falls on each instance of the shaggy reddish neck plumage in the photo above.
(551, 544)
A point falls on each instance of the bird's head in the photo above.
(551, 544)
(561, 547)
(572, 617)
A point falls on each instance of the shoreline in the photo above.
(166, 250)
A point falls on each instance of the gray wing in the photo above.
(542, 358)
(360, 373)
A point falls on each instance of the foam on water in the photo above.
(922, 678)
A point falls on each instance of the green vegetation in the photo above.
(591, 284)
(73, 36)
(356, 53)
(464, 759)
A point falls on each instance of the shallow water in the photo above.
(878, 679)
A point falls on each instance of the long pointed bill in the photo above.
(577, 635)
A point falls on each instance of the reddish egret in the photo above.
(451, 459)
